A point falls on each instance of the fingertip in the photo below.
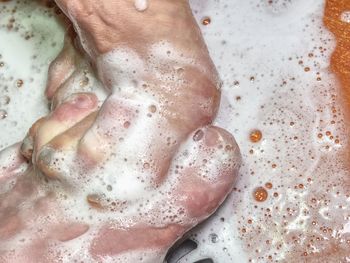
(76, 107)
(205, 170)
(58, 152)
(27, 147)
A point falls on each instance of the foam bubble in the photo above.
(141, 5)
(345, 16)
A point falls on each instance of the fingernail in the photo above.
(27, 147)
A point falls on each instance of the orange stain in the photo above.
(340, 60)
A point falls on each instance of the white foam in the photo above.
(345, 16)
(27, 102)
(141, 5)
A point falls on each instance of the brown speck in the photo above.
(94, 200)
(19, 83)
(206, 21)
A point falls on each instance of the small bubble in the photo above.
(2, 64)
(109, 188)
(345, 17)
(255, 136)
(84, 82)
(152, 108)
(19, 83)
(4, 100)
(214, 238)
(146, 165)
(180, 70)
(268, 185)
(206, 21)
(126, 124)
(3, 114)
(198, 135)
(260, 194)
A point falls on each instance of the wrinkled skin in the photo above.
(168, 169)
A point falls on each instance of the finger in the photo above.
(63, 5)
(63, 66)
(82, 80)
(113, 241)
(132, 126)
(76, 108)
(204, 171)
(27, 146)
(60, 154)
(113, 122)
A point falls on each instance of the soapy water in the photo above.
(278, 99)
(30, 39)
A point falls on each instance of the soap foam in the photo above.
(141, 5)
(24, 59)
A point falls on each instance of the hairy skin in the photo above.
(183, 166)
